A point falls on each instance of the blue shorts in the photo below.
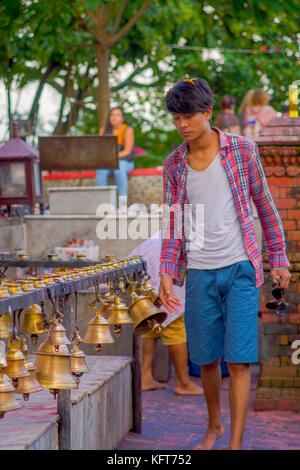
(221, 308)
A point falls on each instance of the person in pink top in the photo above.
(258, 114)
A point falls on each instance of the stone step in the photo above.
(81, 199)
(101, 411)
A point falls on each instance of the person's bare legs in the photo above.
(211, 381)
(239, 393)
(184, 386)
(148, 382)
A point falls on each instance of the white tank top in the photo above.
(212, 228)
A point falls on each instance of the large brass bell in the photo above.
(33, 322)
(57, 335)
(98, 331)
(8, 401)
(5, 325)
(53, 361)
(28, 384)
(145, 314)
(78, 362)
(53, 371)
(118, 315)
(15, 361)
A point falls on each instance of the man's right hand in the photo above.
(165, 293)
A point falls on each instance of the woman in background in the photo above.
(258, 114)
(116, 125)
(246, 102)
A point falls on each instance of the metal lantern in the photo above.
(20, 175)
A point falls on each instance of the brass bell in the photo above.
(78, 362)
(118, 315)
(28, 384)
(98, 331)
(27, 285)
(57, 335)
(145, 315)
(4, 293)
(53, 371)
(15, 361)
(5, 325)
(14, 288)
(33, 322)
(8, 401)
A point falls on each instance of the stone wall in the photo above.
(144, 189)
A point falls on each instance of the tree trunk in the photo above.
(103, 86)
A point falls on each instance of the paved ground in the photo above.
(172, 422)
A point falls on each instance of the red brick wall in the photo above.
(279, 383)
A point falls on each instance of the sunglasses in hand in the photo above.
(278, 305)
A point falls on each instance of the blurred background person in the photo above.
(115, 125)
(226, 120)
(258, 114)
(246, 102)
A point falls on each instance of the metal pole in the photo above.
(136, 369)
(64, 403)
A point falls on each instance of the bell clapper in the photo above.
(26, 396)
(117, 330)
(98, 349)
(54, 392)
(34, 339)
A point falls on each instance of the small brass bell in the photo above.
(14, 288)
(57, 335)
(98, 331)
(4, 293)
(78, 362)
(145, 315)
(28, 384)
(27, 285)
(33, 322)
(8, 401)
(5, 325)
(118, 315)
(15, 361)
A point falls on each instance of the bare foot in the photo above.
(210, 438)
(152, 385)
(189, 389)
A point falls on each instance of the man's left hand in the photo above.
(285, 276)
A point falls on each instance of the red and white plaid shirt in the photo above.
(241, 161)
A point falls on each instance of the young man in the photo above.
(217, 174)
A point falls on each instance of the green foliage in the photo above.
(35, 35)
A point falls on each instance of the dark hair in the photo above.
(189, 96)
(108, 126)
(227, 102)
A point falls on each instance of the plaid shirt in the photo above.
(241, 161)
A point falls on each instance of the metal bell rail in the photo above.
(38, 295)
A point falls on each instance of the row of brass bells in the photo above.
(53, 361)
(145, 314)
(33, 322)
(98, 331)
(118, 315)
(78, 362)
(27, 384)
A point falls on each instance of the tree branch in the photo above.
(128, 80)
(130, 24)
(118, 17)
(42, 82)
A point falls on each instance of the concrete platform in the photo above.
(101, 411)
(173, 422)
(80, 199)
